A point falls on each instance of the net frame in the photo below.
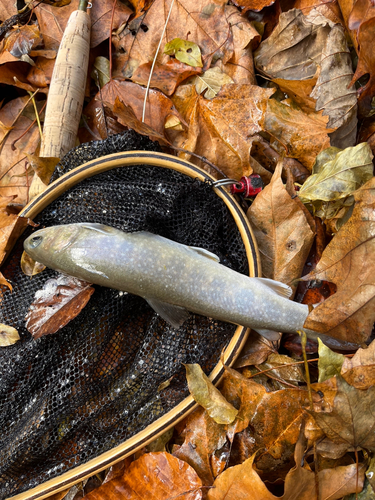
(161, 425)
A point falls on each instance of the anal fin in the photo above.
(175, 315)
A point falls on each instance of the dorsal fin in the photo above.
(277, 287)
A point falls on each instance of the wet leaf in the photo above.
(60, 301)
(352, 418)
(343, 173)
(362, 11)
(158, 476)
(203, 444)
(304, 135)
(255, 351)
(185, 52)
(29, 266)
(256, 5)
(100, 71)
(165, 77)
(8, 335)
(206, 394)
(347, 261)
(359, 371)
(293, 50)
(43, 167)
(22, 39)
(277, 362)
(224, 128)
(333, 92)
(11, 227)
(211, 81)
(282, 231)
(329, 363)
(299, 91)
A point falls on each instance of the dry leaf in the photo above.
(255, 351)
(276, 361)
(329, 363)
(359, 371)
(29, 266)
(203, 438)
(282, 231)
(333, 92)
(304, 135)
(8, 335)
(352, 417)
(60, 301)
(101, 71)
(11, 227)
(224, 128)
(158, 476)
(337, 174)
(184, 51)
(21, 40)
(348, 262)
(293, 50)
(211, 81)
(256, 5)
(206, 395)
(43, 167)
(165, 77)
(299, 91)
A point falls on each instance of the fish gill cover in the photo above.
(68, 397)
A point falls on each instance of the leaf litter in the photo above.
(253, 90)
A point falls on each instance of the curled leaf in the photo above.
(184, 51)
(29, 266)
(206, 394)
(60, 301)
(340, 176)
(8, 335)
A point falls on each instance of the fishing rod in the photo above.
(67, 89)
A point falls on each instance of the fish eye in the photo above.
(35, 241)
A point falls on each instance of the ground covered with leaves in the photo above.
(280, 88)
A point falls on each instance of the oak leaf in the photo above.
(159, 476)
(208, 396)
(282, 231)
(60, 301)
(359, 371)
(347, 261)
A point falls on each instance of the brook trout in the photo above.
(172, 277)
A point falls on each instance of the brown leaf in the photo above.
(347, 261)
(304, 135)
(22, 39)
(158, 476)
(256, 5)
(352, 417)
(98, 122)
(359, 371)
(299, 91)
(60, 301)
(362, 11)
(204, 21)
(165, 77)
(11, 227)
(283, 234)
(43, 167)
(293, 50)
(40, 75)
(203, 438)
(366, 64)
(222, 129)
(8, 335)
(52, 21)
(255, 351)
(29, 266)
(158, 106)
(327, 8)
(333, 92)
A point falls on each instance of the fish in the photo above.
(173, 278)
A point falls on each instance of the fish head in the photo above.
(45, 245)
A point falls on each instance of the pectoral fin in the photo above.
(175, 315)
(277, 287)
(268, 334)
(206, 253)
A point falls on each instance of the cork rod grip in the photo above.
(67, 88)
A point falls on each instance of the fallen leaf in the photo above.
(185, 52)
(29, 266)
(299, 91)
(333, 92)
(22, 39)
(52, 21)
(329, 363)
(359, 371)
(202, 448)
(362, 11)
(100, 72)
(43, 167)
(223, 129)
(338, 173)
(255, 5)
(347, 261)
(255, 351)
(158, 476)
(282, 231)
(165, 77)
(293, 50)
(329, 9)
(158, 106)
(304, 135)
(60, 301)
(11, 227)
(204, 22)
(208, 396)
(211, 81)
(352, 418)
(8, 335)
(283, 367)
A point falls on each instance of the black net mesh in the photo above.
(67, 397)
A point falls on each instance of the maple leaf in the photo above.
(359, 371)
